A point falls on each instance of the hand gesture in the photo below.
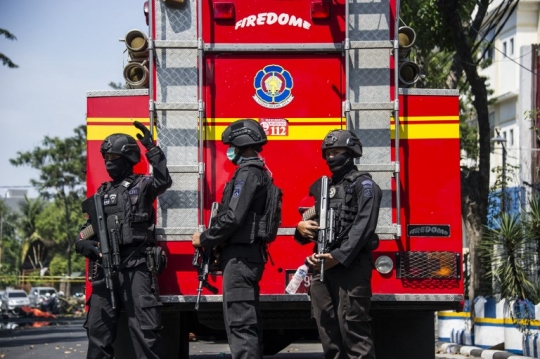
(146, 137)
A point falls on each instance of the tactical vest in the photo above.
(344, 201)
(125, 217)
(247, 233)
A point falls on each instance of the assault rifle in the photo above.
(202, 259)
(93, 206)
(326, 223)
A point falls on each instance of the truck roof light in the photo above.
(146, 11)
(224, 11)
(320, 10)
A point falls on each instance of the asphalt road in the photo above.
(69, 341)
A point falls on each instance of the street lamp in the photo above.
(501, 140)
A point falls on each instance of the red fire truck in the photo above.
(301, 68)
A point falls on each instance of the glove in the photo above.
(88, 248)
(146, 137)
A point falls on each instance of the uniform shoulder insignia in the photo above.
(367, 188)
(238, 185)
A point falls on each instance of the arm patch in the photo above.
(367, 190)
(238, 185)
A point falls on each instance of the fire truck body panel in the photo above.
(300, 78)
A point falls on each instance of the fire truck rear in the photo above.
(301, 68)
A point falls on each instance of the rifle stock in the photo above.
(93, 206)
(202, 259)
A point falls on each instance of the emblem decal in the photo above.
(273, 85)
(332, 192)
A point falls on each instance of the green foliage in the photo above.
(58, 265)
(10, 245)
(6, 61)
(62, 164)
(511, 249)
(508, 249)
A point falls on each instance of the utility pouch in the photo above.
(156, 258)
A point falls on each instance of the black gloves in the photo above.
(146, 137)
(88, 248)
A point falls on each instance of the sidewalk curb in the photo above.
(459, 350)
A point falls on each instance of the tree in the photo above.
(62, 163)
(6, 60)
(459, 29)
(10, 246)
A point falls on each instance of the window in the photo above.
(511, 46)
(504, 48)
(511, 139)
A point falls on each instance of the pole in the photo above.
(503, 180)
(1, 238)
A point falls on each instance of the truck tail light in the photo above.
(224, 11)
(320, 10)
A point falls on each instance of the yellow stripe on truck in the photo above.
(426, 131)
(99, 128)
(298, 128)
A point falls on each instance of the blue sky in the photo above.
(64, 49)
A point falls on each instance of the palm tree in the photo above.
(511, 252)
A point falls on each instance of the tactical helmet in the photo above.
(123, 145)
(243, 133)
(343, 139)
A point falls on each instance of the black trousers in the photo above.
(341, 307)
(133, 292)
(241, 307)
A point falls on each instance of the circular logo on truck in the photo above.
(273, 85)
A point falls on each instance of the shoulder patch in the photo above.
(238, 185)
(367, 188)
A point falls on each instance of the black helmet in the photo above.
(243, 133)
(123, 145)
(343, 139)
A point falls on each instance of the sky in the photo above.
(64, 49)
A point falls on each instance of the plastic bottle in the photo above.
(297, 279)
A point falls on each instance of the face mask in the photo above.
(118, 169)
(233, 157)
(335, 163)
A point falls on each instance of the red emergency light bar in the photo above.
(224, 11)
(320, 10)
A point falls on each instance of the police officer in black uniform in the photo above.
(243, 256)
(128, 206)
(342, 302)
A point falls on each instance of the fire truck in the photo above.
(301, 68)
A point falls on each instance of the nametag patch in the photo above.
(134, 191)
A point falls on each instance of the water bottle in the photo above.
(297, 279)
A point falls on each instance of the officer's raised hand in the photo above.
(146, 137)
(88, 248)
